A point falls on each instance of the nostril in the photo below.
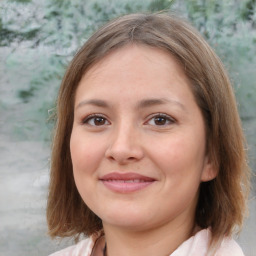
(124, 149)
(131, 158)
(111, 157)
(123, 156)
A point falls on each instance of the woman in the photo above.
(148, 154)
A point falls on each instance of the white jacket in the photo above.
(196, 245)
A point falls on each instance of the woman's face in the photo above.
(138, 141)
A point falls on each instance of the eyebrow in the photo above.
(155, 101)
(94, 102)
(142, 104)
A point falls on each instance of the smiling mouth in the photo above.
(126, 182)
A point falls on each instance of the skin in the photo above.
(147, 122)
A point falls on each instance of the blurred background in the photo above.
(38, 38)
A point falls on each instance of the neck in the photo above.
(161, 241)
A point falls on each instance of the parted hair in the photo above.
(222, 201)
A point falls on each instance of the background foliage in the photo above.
(39, 37)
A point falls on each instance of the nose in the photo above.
(125, 145)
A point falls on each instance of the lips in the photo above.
(126, 182)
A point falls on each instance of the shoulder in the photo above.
(195, 245)
(229, 247)
(83, 248)
(199, 245)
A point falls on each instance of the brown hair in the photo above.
(222, 201)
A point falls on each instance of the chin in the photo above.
(125, 219)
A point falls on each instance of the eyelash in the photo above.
(167, 118)
(93, 116)
(162, 115)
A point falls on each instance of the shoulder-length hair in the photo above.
(222, 201)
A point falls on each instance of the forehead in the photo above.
(132, 74)
(136, 59)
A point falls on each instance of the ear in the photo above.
(209, 170)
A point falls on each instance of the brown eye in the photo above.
(95, 121)
(99, 121)
(159, 120)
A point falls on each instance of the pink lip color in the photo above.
(126, 182)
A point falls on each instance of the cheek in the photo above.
(181, 164)
(180, 157)
(85, 160)
(85, 154)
